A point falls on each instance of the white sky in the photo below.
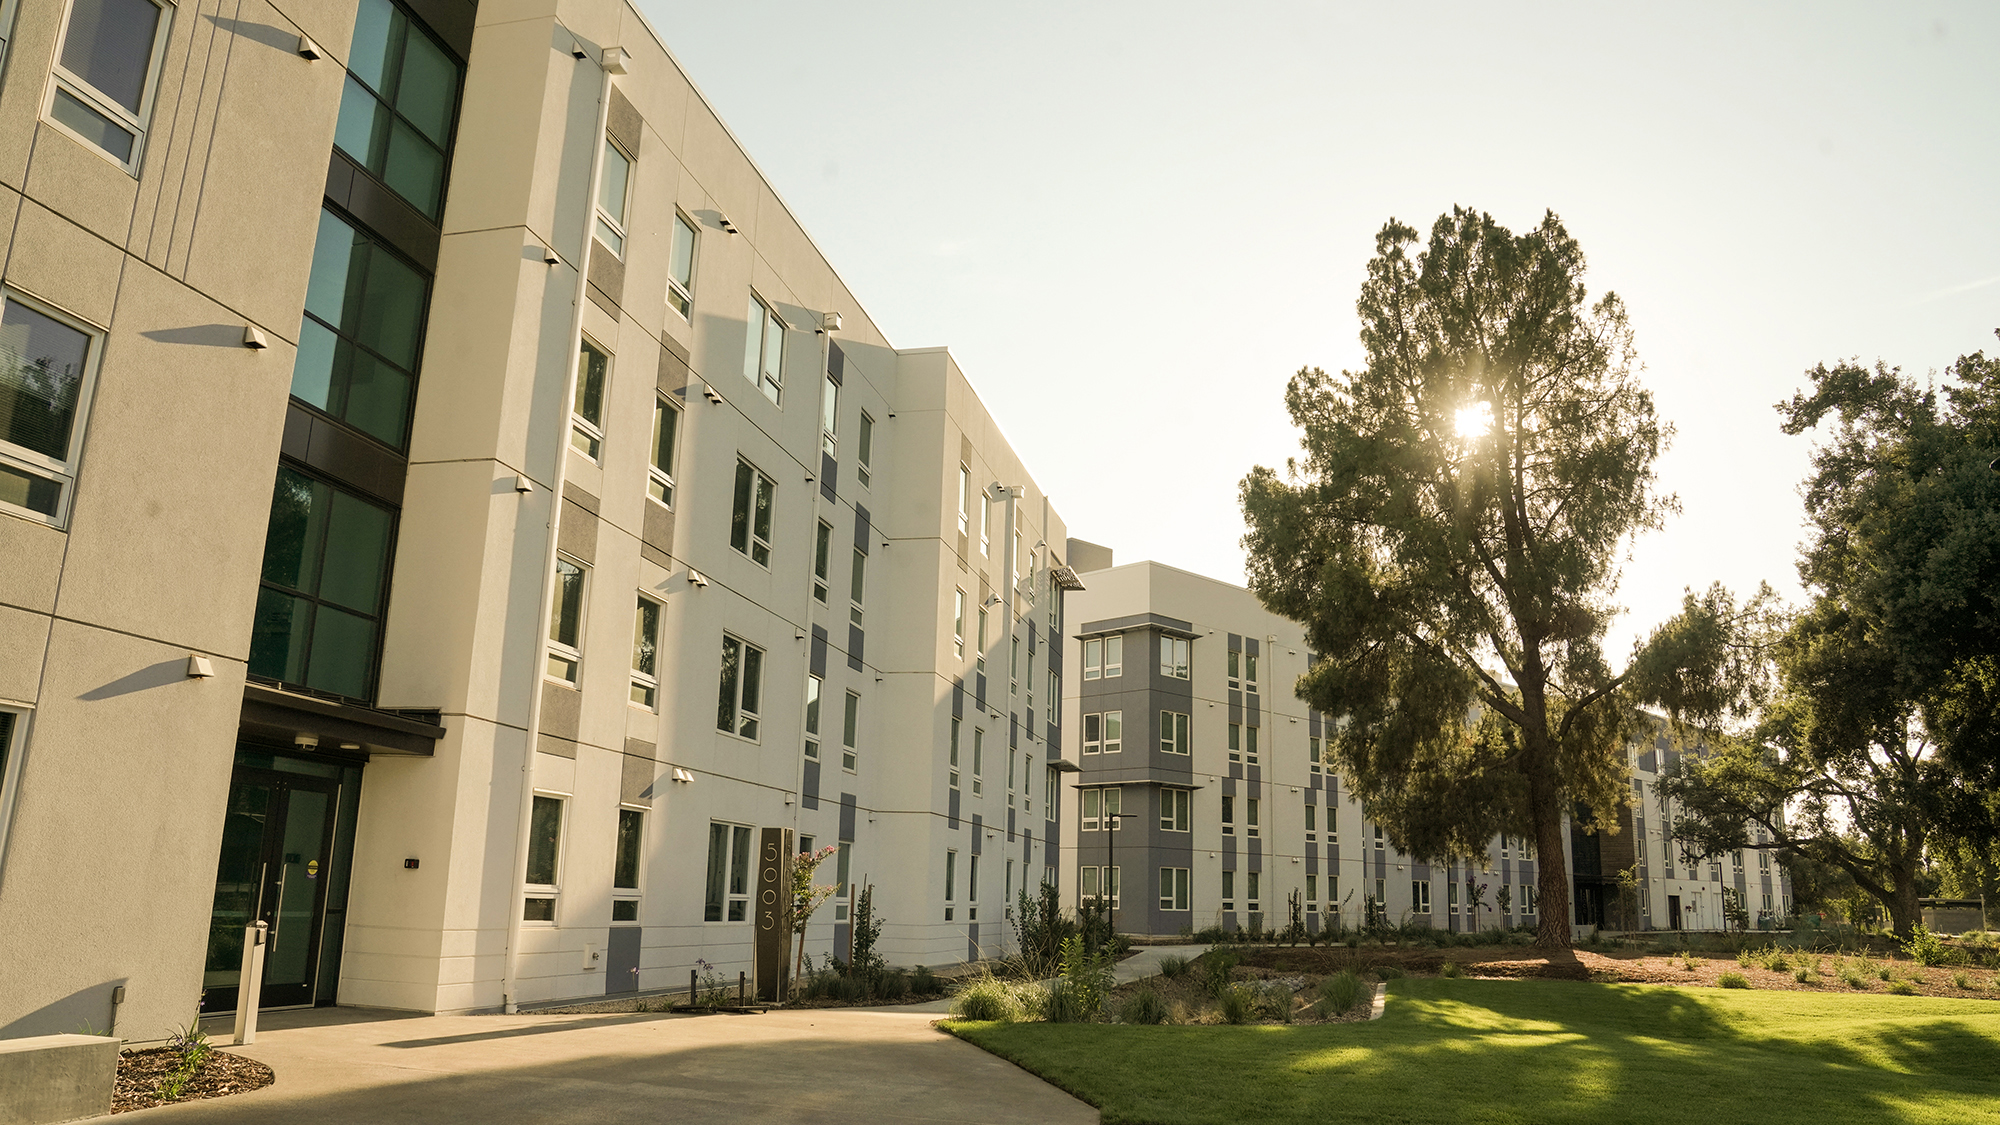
(1132, 222)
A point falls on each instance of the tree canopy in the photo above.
(1450, 537)
(1877, 745)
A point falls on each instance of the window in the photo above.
(979, 654)
(1378, 838)
(829, 417)
(1228, 815)
(950, 878)
(106, 74)
(361, 334)
(972, 887)
(566, 621)
(864, 448)
(660, 470)
(1312, 831)
(964, 499)
(1174, 810)
(1736, 861)
(1313, 752)
(319, 609)
(1104, 733)
(1234, 666)
(1420, 896)
(613, 186)
(953, 759)
(645, 653)
(1528, 895)
(1173, 888)
(1174, 653)
(1102, 809)
(1114, 656)
(1049, 793)
(1235, 740)
(46, 374)
(586, 416)
(822, 557)
(841, 861)
(680, 267)
(1011, 756)
(742, 683)
(1250, 745)
(750, 518)
(1763, 861)
(545, 825)
(1250, 673)
(850, 725)
(857, 587)
(13, 735)
(985, 523)
(1014, 667)
(764, 351)
(1451, 897)
(1173, 733)
(397, 107)
(1251, 900)
(813, 690)
(728, 898)
(958, 624)
(1250, 821)
(1229, 890)
(978, 756)
(625, 865)
(1099, 883)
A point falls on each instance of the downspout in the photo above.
(610, 58)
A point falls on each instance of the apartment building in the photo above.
(1677, 889)
(1204, 777)
(452, 513)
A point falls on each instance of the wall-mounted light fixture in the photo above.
(198, 667)
(522, 483)
(683, 776)
(308, 50)
(829, 321)
(615, 60)
(253, 338)
(711, 394)
(727, 226)
(550, 257)
(695, 577)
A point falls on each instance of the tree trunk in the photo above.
(1552, 912)
(1904, 914)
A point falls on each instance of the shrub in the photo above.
(1216, 966)
(923, 982)
(1802, 974)
(1087, 973)
(1451, 969)
(1745, 958)
(1961, 980)
(1886, 973)
(1733, 980)
(1902, 988)
(1143, 1006)
(1277, 1001)
(893, 985)
(1066, 1003)
(986, 999)
(1339, 994)
(1353, 941)
(1388, 972)
(1925, 947)
(1239, 1002)
(1173, 967)
(1853, 979)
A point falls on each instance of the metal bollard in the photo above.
(251, 982)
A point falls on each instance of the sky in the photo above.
(1133, 222)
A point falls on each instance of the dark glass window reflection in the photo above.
(319, 610)
(363, 327)
(396, 113)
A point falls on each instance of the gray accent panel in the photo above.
(958, 699)
(836, 363)
(861, 529)
(562, 709)
(622, 121)
(1028, 847)
(1013, 732)
(1235, 642)
(560, 747)
(607, 276)
(972, 940)
(637, 775)
(657, 532)
(581, 498)
(656, 556)
(809, 787)
(451, 20)
(1254, 645)
(674, 373)
(1032, 633)
(951, 809)
(818, 658)
(854, 640)
(978, 832)
(979, 690)
(578, 535)
(382, 211)
(621, 960)
(1134, 621)
(829, 472)
(847, 817)
(1010, 829)
(339, 453)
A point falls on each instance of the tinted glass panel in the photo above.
(110, 45)
(343, 652)
(377, 26)
(292, 539)
(322, 547)
(429, 88)
(718, 862)
(357, 546)
(544, 840)
(626, 870)
(569, 603)
(278, 636)
(41, 377)
(359, 340)
(92, 125)
(37, 494)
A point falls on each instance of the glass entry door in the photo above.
(276, 864)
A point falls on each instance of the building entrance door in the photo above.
(1673, 912)
(277, 862)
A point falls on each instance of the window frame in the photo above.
(1176, 657)
(13, 748)
(958, 624)
(721, 898)
(756, 364)
(616, 227)
(586, 434)
(642, 679)
(40, 465)
(550, 892)
(621, 894)
(139, 124)
(744, 722)
(857, 587)
(1174, 733)
(864, 449)
(951, 757)
(950, 878)
(815, 700)
(1176, 810)
(1420, 896)
(822, 561)
(754, 545)
(680, 291)
(850, 731)
(564, 651)
(829, 416)
(978, 763)
(660, 477)
(964, 498)
(1174, 889)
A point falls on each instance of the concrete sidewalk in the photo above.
(865, 1066)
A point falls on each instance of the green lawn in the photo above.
(1469, 1052)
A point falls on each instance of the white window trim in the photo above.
(633, 894)
(772, 385)
(579, 426)
(84, 92)
(813, 714)
(10, 776)
(864, 449)
(736, 707)
(64, 472)
(616, 224)
(648, 681)
(759, 479)
(550, 890)
(660, 478)
(748, 894)
(558, 650)
(674, 287)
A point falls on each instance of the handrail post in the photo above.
(250, 983)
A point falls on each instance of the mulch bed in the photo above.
(221, 1074)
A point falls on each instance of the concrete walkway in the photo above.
(864, 1066)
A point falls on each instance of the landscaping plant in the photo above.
(1338, 994)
